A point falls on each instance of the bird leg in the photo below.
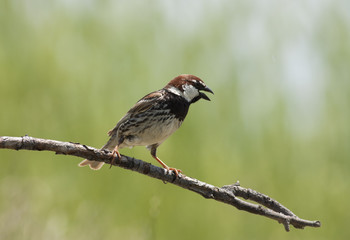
(176, 171)
(115, 154)
(153, 153)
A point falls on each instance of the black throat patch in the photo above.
(177, 105)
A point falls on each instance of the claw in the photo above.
(176, 171)
(115, 153)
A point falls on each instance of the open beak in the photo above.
(203, 95)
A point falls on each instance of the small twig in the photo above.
(227, 194)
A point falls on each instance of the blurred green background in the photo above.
(278, 122)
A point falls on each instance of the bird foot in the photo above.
(115, 153)
(175, 170)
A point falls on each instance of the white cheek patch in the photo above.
(175, 91)
(190, 92)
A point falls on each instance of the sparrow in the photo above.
(154, 118)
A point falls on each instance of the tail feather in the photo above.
(94, 165)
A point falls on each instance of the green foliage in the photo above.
(278, 122)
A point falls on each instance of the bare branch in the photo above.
(227, 194)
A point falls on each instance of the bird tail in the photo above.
(96, 165)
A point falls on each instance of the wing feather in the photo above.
(141, 106)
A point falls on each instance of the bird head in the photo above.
(189, 87)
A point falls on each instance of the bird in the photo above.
(154, 118)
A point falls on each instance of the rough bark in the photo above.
(228, 194)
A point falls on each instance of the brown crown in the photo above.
(183, 79)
